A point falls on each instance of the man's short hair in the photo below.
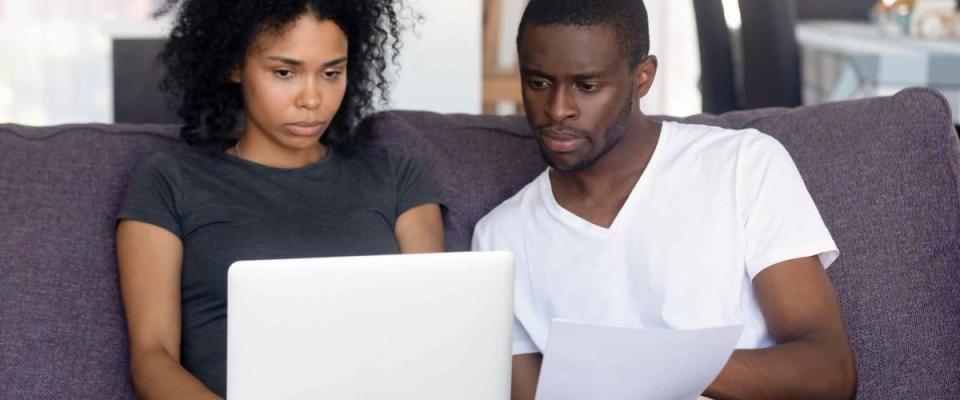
(627, 17)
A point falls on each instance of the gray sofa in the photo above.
(885, 173)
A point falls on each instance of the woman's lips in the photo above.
(306, 128)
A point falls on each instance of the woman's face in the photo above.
(293, 82)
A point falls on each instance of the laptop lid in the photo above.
(421, 326)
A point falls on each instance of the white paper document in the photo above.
(585, 361)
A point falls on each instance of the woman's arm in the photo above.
(150, 262)
(420, 230)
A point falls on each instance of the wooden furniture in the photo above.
(500, 85)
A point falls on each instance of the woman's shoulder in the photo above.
(173, 157)
(171, 162)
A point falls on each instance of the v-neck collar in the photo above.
(581, 224)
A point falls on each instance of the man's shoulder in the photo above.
(715, 135)
(514, 209)
(705, 140)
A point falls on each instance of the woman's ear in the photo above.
(235, 75)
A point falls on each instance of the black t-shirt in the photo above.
(226, 209)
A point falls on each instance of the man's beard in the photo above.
(612, 136)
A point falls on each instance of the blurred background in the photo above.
(55, 58)
(65, 61)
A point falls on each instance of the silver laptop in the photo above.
(423, 326)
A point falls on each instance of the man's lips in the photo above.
(560, 142)
(306, 128)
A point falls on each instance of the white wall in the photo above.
(673, 39)
(441, 64)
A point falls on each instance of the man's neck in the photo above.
(621, 167)
(597, 193)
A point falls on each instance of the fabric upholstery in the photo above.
(884, 172)
(62, 329)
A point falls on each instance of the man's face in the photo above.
(578, 92)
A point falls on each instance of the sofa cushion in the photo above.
(63, 334)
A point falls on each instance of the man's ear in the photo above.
(645, 73)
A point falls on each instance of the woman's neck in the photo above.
(276, 156)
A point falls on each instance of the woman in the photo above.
(294, 183)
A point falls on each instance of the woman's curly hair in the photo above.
(211, 39)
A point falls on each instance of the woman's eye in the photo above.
(332, 73)
(283, 73)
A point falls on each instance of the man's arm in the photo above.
(526, 371)
(812, 358)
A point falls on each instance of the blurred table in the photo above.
(848, 60)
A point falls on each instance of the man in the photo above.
(660, 225)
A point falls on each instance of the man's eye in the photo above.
(283, 73)
(589, 87)
(538, 84)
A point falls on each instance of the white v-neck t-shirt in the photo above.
(713, 209)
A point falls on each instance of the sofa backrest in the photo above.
(62, 329)
(883, 172)
(477, 161)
